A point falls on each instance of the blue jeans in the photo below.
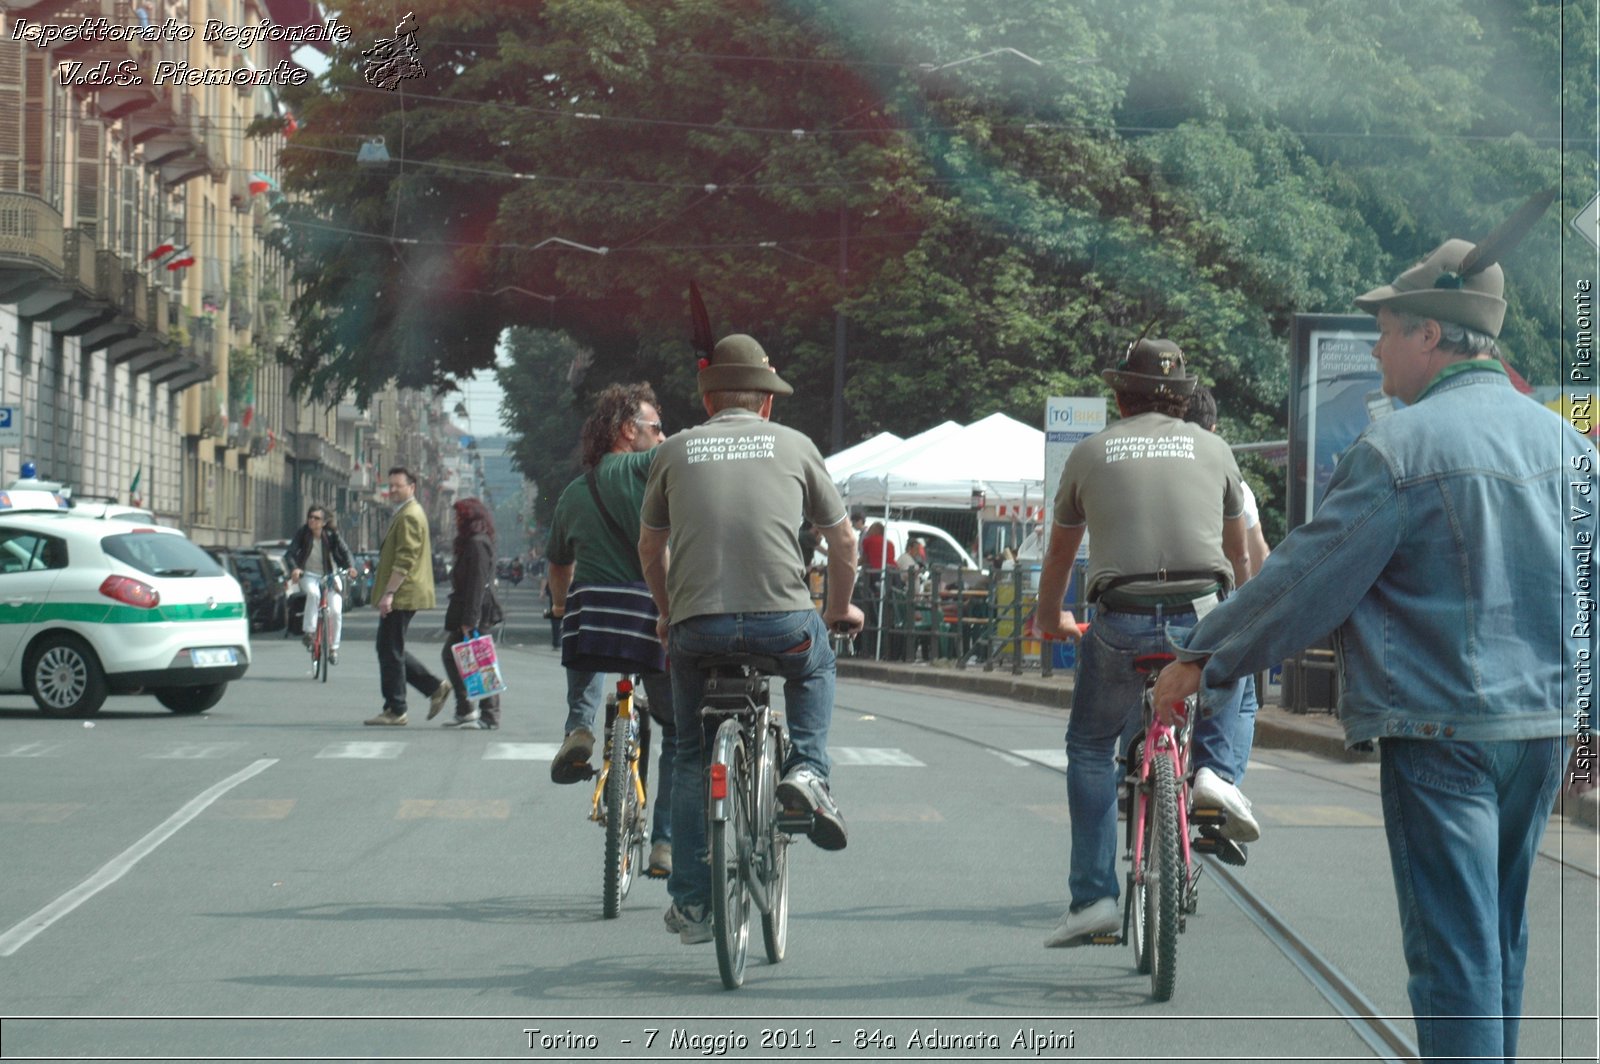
(799, 642)
(586, 693)
(1464, 822)
(1106, 713)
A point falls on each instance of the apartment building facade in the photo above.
(141, 306)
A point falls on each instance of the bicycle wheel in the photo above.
(1140, 881)
(775, 863)
(622, 815)
(1164, 896)
(730, 900)
(319, 646)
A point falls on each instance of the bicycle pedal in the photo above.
(1105, 940)
(1207, 817)
(795, 822)
(1225, 850)
(656, 873)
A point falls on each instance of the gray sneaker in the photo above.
(571, 764)
(692, 923)
(803, 788)
(386, 718)
(437, 700)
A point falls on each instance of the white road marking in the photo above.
(196, 751)
(1053, 756)
(33, 750)
(123, 863)
(521, 751)
(876, 756)
(363, 751)
(1014, 762)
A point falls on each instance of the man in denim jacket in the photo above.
(1451, 558)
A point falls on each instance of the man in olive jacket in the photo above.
(405, 577)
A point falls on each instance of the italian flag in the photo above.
(133, 489)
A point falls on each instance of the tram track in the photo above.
(1388, 1041)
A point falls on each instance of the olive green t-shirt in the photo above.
(1153, 492)
(578, 532)
(734, 493)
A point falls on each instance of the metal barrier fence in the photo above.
(973, 619)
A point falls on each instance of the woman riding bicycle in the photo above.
(316, 553)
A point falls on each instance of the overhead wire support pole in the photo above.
(839, 332)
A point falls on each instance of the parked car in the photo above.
(93, 606)
(261, 581)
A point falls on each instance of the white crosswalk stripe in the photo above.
(875, 756)
(1053, 756)
(362, 751)
(521, 751)
(196, 751)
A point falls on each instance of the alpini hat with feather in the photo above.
(1459, 281)
(735, 363)
(1151, 367)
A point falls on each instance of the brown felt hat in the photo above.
(1152, 367)
(1433, 288)
(738, 364)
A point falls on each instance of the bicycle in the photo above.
(321, 652)
(620, 795)
(749, 832)
(1163, 883)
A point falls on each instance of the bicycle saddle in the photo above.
(735, 663)
(1148, 663)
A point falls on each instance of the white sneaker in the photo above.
(1211, 791)
(691, 923)
(461, 722)
(1101, 917)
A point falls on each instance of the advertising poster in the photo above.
(1067, 419)
(1335, 393)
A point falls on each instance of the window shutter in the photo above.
(33, 125)
(10, 117)
(88, 183)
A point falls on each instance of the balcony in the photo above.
(311, 449)
(84, 309)
(136, 298)
(31, 245)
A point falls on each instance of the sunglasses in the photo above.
(656, 425)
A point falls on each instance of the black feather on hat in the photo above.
(736, 363)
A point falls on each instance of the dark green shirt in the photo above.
(578, 532)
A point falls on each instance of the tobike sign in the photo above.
(1067, 419)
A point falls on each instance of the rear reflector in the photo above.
(719, 782)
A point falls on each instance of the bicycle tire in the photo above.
(622, 803)
(1138, 882)
(730, 899)
(319, 646)
(775, 844)
(1166, 894)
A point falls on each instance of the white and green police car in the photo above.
(91, 606)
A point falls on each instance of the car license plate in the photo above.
(212, 656)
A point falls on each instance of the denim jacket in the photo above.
(1452, 558)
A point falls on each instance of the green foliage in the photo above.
(1011, 220)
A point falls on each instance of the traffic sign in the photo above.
(10, 426)
(1588, 221)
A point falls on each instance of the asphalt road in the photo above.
(273, 881)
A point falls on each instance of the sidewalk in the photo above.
(1315, 733)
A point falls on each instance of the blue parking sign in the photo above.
(10, 426)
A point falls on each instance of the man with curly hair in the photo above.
(597, 589)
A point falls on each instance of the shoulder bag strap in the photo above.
(611, 522)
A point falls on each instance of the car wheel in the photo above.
(65, 677)
(190, 699)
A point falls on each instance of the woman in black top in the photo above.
(316, 553)
(472, 607)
